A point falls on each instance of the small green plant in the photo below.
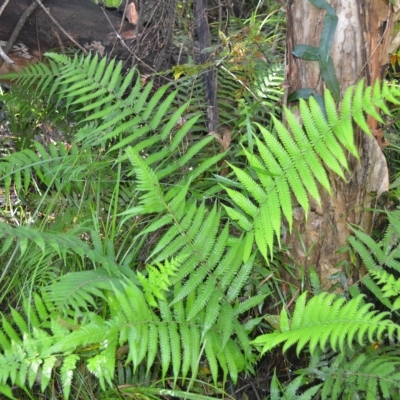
(108, 3)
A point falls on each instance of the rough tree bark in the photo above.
(360, 50)
(209, 76)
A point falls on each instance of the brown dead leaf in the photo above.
(131, 13)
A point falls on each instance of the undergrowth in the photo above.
(131, 253)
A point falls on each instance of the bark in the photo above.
(209, 76)
(360, 50)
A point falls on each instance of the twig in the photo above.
(292, 299)
(5, 57)
(60, 27)
(125, 45)
(60, 43)
(17, 29)
(120, 27)
(3, 6)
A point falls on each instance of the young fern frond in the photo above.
(294, 161)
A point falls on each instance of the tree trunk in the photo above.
(209, 75)
(359, 50)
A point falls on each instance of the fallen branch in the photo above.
(3, 6)
(17, 30)
(5, 57)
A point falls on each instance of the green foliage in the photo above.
(179, 331)
(257, 90)
(52, 166)
(382, 262)
(109, 3)
(353, 349)
(367, 372)
(152, 274)
(249, 75)
(291, 391)
(329, 320)
(334, 331)
(294, 160)
(180, 308)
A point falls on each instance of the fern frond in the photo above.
(377, 257)
(79, 289)
(292, 390)
(390, 288)
(363, 372)
(59, 243)
(297, 159)
(326, 319)
(67, 368)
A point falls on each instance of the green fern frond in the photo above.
(79, 289)
(369, 373)
(292, 390)
(60, 244)
(53, 167)
(99, 90)
(33, 73)
(67, 368)
(148, 325)
(297, 158)
(390, 288)
(315, 281)
(329, 320)
(377, 257)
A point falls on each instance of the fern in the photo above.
(297, 159)
(378, 258)
(134, 321)
(58, 243)
(334, 331)
(53, 166)
(183, 306)
(364, 372)
(290, 392)
(199, 315)
(173, 301)
(329, 320)
(86, 79)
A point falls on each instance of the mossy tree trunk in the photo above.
(359, 50)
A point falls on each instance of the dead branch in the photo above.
(17, 29)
